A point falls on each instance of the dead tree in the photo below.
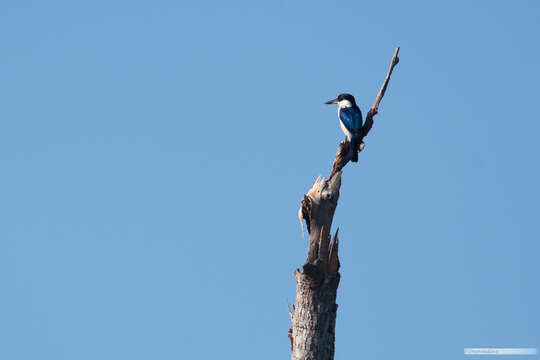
(314, 312)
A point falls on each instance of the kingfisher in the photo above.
(350, 119)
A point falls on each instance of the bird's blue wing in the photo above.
(351, 118)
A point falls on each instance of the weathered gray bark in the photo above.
(314, 317)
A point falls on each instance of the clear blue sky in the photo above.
(154, 156)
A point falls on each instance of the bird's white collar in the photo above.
(344, 104)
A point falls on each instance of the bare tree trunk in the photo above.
(314, 317)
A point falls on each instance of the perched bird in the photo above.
(350, 119)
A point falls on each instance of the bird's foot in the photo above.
(361, 147)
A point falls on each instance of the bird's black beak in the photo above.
(335, 101)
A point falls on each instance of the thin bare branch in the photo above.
(375, 108)
(394, 62)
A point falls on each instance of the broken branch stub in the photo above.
(318, 208)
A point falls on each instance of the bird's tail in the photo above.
(354, 144)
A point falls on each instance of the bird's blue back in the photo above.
(351, 118)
